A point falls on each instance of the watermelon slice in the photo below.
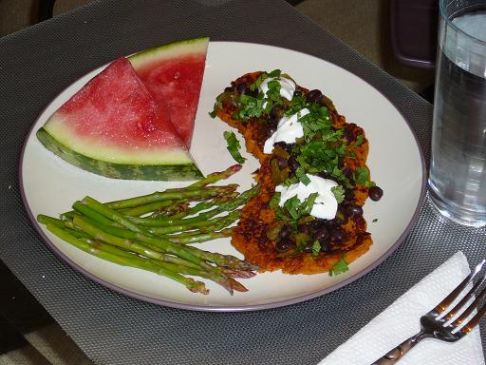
(114, 127)
(173, 73)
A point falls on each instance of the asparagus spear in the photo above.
(199, 193)
(226, 206)
(155, 244)
(201, 237)
(118, 256)
(213, 224)
(216, 176)
(166, 206)
(189, 253)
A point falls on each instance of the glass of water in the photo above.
(457, 177)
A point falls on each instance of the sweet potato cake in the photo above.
(308, 216)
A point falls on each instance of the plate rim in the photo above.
(224, 308)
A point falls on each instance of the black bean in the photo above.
(324, 175)
(349, 196)
(349, 134)
(330, 223)
(318, 223)
(325, 247)
(242, 88)
(293, 163)
(253, 93)
(284, 245)
(276, 112)
(285, 232)
(347, 172)
(375, 193)
(271, 128)
(282, 145)
(353, 210)
(322, 235)
(314, 96)
(297, 93)
(282, 162)
(338, 235)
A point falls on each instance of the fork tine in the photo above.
(475, 320)
(464, 315)
(465, 299)
(442, 306)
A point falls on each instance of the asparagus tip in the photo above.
(197, 287)
(235, 168)
(237, 286)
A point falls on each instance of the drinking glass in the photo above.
(457, 176)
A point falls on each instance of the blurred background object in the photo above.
(389, 33)
(398, 36)
(413, 29)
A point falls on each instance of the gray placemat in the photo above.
(36, 64)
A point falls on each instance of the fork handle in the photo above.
(393, 356)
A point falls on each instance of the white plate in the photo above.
(51, 185)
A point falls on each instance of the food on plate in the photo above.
(308, 216)
(233, 146)
(134, 120)
(173, 73)
(154, 232)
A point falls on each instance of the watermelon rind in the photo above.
(169, 50)
(170, 169)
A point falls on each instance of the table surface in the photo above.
(39, 62)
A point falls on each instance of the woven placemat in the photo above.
(39, 62)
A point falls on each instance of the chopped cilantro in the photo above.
(292, 205)
(249, 107)
(272, 96)
(316, 125)
(375, 220)
(291, 180)
(362, 176)
(316, 248)
(306, 206)
(339, 175)
(265, 75)
(275, 73)
(359, 140)
(297, 103)
(323, 112)
(317, 156)
(213, 114)
(301, 240)
(297, 209)
(338, 192)
(274, 202)
(233, 146)
(339, 267)
(302, 176)
(334, 136)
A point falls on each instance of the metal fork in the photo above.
(440, 323)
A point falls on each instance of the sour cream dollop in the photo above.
(288, 130)
(325, 206)
(287, 86)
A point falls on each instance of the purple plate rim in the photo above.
(226, 308)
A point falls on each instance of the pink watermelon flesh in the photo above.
(116, 108)
(175, 83)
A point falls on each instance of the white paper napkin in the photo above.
(401, 320)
